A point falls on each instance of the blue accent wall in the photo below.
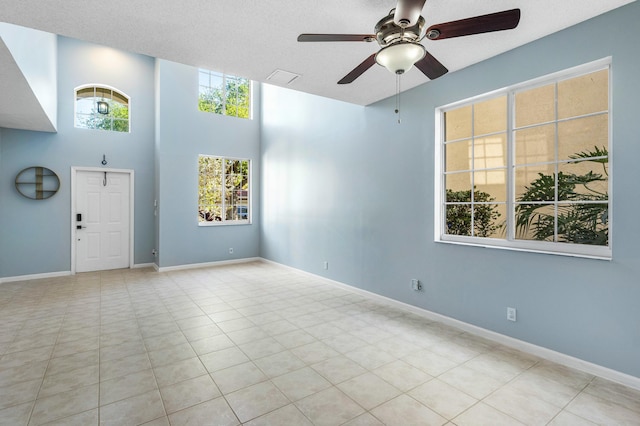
(36, 235)
(344, 184)
(348, 185)
(184, 132)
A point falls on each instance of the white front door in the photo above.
(101, 220)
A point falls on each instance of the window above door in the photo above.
(101, 108)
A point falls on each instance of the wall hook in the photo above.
(104, 160)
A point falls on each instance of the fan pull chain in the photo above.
(398, 96)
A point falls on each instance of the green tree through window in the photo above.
(460, 212)
(527, 167)
(583, 219)
(224, 94)
(223, 189)
(88, 117)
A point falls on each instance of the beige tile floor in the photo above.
(260, 344)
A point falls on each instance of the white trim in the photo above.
(144, 265)
(131, 174)
(542, 352)
(438, 166)
(207, 264)
(102, 86)
(542, 247)
(538, 81)
(225, 223)
(509, 242)
(230, 222)
(224, 77)
(34, 276)
(539, 351)
(610, 156)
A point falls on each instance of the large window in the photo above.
(223, 190)
(224, 94)
(528, 167)
(101, 108)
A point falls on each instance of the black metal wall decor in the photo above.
(37, 183)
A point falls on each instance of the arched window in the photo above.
(102, 108)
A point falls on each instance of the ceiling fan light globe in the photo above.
(398, 58)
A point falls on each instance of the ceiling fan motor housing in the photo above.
(388, 32)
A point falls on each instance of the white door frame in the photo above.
(74, 171)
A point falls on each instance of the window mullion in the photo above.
(511, 175)
(224, 94)
(442, 188)
(557, 214)
(235, 96)
(556, 167)
(223, 190)
(473, 169)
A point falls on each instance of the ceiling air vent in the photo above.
(282, 77)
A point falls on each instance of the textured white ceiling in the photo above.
(253, 38)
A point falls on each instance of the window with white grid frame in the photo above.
(101, 108)
(528, 167)
(224, 94)
(223, 190)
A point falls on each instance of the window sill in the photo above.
(225, 223)
(588, 252)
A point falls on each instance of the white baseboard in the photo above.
(144, 265)
(207, 264)
(521, 345)
(61, 274)
(34, 276)
(542, 352)
(135, 266)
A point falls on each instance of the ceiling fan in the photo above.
(399, 35)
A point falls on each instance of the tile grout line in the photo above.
(44, 375)
(146, 352)
(564, 408)
(222, 395)
(185, 288)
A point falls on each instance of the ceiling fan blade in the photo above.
(336, 37)
(431, 67)
(505, 20)
(359, 70)
(407, 12)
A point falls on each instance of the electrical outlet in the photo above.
(511, 314)
(325, 265)
(416, 285)
(230, 250)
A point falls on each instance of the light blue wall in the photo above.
(344, 184)
(350, 186)
(163, 152)
(36, 235)
(184, 132)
